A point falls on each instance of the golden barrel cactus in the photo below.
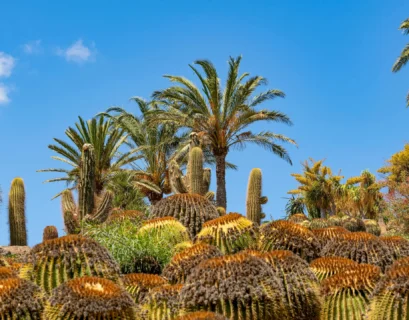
(326, 267)
(298, 218)
(139, 284)
(325, 234)
(399, 246)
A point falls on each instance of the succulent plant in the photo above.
(161, 303)
(59, 260)
(3, 262)
(221, 211)
(182, 263)
(334, 221)
(347, 294)
(182, 246)
(202, 315)
(361, 247)
(353, 224)
(285, 235)
(328, 266)
(17, 213)
(238, 286)
(398, 245)
(70, 213)
(230, 233)
(326, 234)
(372, 226)
(400, 262)
(192, 210)
(7, 273)
(161, 226)
(254, 198)
(90, 298)
(133, 215)
(49, 233)
(319, 223)
(298, 218)
(20, 299)
(300, 284)
(139, 284)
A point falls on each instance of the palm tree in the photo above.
(404, 56)
(106, 144)
(294, 205)
(221, 117)
(153, 145)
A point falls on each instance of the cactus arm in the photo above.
(104, 208)
(69, 210)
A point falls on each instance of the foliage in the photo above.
(295, 205)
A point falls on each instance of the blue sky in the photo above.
(333, 59)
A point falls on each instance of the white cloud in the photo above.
(33, 47)
(7, 63)
(4, 98)
(77, 52)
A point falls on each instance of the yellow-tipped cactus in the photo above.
(90, 298)
(17, 213)
(326, 234)
(160, 227)
(182, 263)
(398, 245)
(139, 284)
(254, 198)
(326, 267)
(230, 233)
(49, 233)
(221, 211)
(347, 294)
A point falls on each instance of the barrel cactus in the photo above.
(90, 298)
(20, 299)
(254, 198)
(347, 294)
(182, 246)
(139, 284)
(230, 233)
(202, 315)
(285, 235)
(326, 234)
(399, 246)
(221, 211)
(361, 247)
(6, 273)
(300, 284)
(401, 262)
(326, 267)
(298, 218)
(49, 233)
(334, 221)
(58, 260)
(182, 263)
(353, 224)
(372, 226)
(17, 213)
(192, 210)
(319, 223)
(238, 286)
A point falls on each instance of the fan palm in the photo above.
(404, 56)
(294, 205)
(221, 117)
(153, 144)
(106, 143)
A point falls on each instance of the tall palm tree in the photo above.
(221, 117)
(106, 142)
(404, 56)
(153, 145)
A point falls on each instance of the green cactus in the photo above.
(285, 235)
(335, 221)
(202, 315)
(58, 260)
(195, 169)
(373, 227)
(326, 267)
(301, 287)
(90, 298)
(139, 284)
(319, 223)
(361, 247)
(398, 245)
(346, 295)
(221, 211)
(69, 210)
(254, 198)
(192, 210)
(86, 186)
(17, 213)
(20, 299)
(230, 233)
(239, 286)
(182, 263)
(49, 233)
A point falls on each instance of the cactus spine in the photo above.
(86, 187)
(17, 215)
(254, 198)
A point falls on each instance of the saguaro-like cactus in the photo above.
(254, 199)
(86, 187)
(17, 213)
(49, 233)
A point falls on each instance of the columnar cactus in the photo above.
(326, 267)
(17, 213)
(300, 285)
(373, 227)
(285, 235)
(70, 214)
(139, 284)
(20, 299)
(230, 233)
(86, 187)
(166, 226)
(238, 286)
(192, 210)
(90, 298)
(391, 296)
(202, 315)
(182, 263)
(254, 198)
(58, 260)
(347, 294)
(49, 233)
(398, 245)
(298, 218)
(361, 247)
(326, 234)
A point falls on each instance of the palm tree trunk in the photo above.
(221, 197)
(322, 213)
